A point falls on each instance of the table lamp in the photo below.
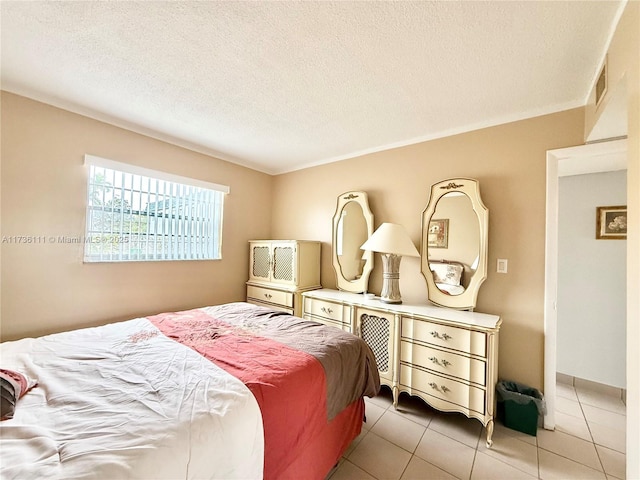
(392, 241)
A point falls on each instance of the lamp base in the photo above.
(391, 278)
(388, 300)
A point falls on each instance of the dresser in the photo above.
(280, 270)
(448, 358)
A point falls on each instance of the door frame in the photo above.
(582, 159)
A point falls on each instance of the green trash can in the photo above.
(519, 406)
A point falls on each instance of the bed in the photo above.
(229, 391)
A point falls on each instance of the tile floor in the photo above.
(417, 442)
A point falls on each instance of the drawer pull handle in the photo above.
(326, 310)
(268, 295)
(444, 363)
(435, 387)
(444, 336)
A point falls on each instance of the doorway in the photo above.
(591, 158)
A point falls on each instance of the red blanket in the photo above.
(289, 384)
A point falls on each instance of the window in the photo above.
(137, 214)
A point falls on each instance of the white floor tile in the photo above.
(507, 449)
(576, 426)
(487, 467)
(372, 413)
(611, 419)
(608, 437)
(399, 431)
(380, 458)
(556, 467)
(448, 454)
(569, 406)
(457, 426)
(348, 471)
(355, 442)
(418, 469)
(614, 463)
(570, 447)
(589, 442)
(509, 432)
(415, 409)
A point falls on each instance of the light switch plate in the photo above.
(502, 265)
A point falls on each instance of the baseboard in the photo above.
(581, 383)
(564, 379)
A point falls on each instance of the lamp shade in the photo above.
(391, 238)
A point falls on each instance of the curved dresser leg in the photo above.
(396, 395)
(489, 433)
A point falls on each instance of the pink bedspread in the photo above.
(289, 384)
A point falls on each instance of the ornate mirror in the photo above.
(352, 226)
(455, 228)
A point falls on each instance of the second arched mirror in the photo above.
(455, 227)
(352, 226)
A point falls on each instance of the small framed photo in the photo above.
(438, 236)
(611, 223)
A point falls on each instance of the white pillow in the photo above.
(447, 273)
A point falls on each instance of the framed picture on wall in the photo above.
(438, 233)
(611, 223)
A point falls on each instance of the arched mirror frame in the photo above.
(358, 285)
(471, 188)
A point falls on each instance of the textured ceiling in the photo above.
(279, 86)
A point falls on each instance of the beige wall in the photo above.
(46, 287)
(510, 163)
(624, 74)
(621, 55)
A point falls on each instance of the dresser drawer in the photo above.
(278, 308)
(342, 326)
(321, 308)
(276, 297)
(451, 391)
(459, 366)
(467, 341)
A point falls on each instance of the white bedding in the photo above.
(450, 289)
(124, 401)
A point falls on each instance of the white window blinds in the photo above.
(137, 214)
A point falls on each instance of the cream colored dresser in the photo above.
(280, 270)
(449, 358)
